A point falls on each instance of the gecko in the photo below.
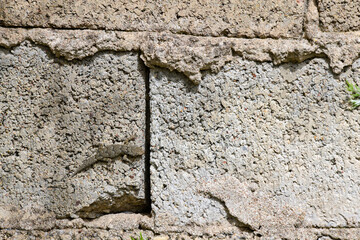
(109, 153)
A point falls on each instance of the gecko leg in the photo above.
(125, 158)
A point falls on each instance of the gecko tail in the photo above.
(85, 165)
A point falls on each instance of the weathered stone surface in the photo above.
(12, 37)
(53, 112)
(26, 218)
(70, 234)
(339, 15)
(254, 151)
(101, 234)
(253, 209)
(190, 54)
(342, 49)
(121, 221)
(245, 18)
(285, 132)
(118, 221)
(186, 54)
(161, 238)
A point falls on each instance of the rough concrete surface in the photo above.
(279, 140)
(76, 234)
(339, 15)
(190, 54)
(242, 18)
(89, 233)
(53, 113)
(261, 143)
(342, 49)
(283, 137)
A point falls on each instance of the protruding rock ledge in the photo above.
(190, 54)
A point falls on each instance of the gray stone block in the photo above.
(274, 147)
(53, 113)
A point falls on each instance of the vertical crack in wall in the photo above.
(147, 141)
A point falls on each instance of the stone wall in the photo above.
(239, 110)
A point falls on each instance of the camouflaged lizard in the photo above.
(109, 153)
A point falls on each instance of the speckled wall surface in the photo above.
(275, 144)
(238, 111)
(53, 114)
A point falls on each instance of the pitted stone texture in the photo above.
(70, 234)
(285, 131)
(183, 53)
(342, 48)
(186, 54)
(339, 15)
(260, 211)
(244, 18)
(109, 234)
(32, 217)
(52, 113)
(192, 54)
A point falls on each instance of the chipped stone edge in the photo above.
(341, 48)
(192, 54)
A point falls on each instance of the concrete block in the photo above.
(244, 18)
(281, 138)
(53, 114)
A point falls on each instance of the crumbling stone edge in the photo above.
(192, 54)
